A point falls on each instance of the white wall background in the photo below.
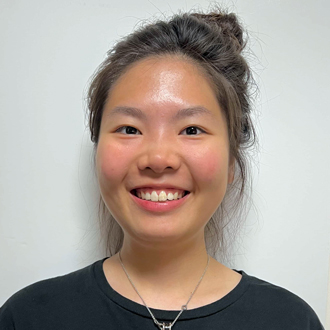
(48, 198)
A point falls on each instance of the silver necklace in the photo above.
(163, 325)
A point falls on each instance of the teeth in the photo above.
(162, 197)
(154, 197)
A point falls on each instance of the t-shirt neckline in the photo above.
(169, 315)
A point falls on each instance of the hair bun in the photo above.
(228, 24)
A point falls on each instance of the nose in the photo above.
(159, 155)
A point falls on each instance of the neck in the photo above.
(167, 266)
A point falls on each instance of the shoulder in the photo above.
(52, 294)
(279, 304)
(274, 294)
(43, 290)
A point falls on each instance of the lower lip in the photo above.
(159, 206)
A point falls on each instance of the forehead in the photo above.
(163, 85)
(164, 69)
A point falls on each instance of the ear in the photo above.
(231, 170)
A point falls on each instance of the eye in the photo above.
(192, 130)
(128, 130)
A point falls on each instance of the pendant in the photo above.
(165, 326)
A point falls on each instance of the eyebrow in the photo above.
(128, 111)
(181, 114)
(192, 111)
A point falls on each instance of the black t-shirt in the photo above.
(85, 300)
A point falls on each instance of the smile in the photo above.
(157, 202)
(159, 195)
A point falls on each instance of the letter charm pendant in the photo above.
(165, 326)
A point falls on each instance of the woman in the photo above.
(170, 119)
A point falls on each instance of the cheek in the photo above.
(111, 161)
(209, 165)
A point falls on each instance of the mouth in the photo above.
(159, 195)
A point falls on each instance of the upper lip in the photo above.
(159, 186)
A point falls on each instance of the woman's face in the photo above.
(163, 135)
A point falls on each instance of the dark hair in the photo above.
(214, 42)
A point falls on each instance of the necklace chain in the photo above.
(161, 325)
